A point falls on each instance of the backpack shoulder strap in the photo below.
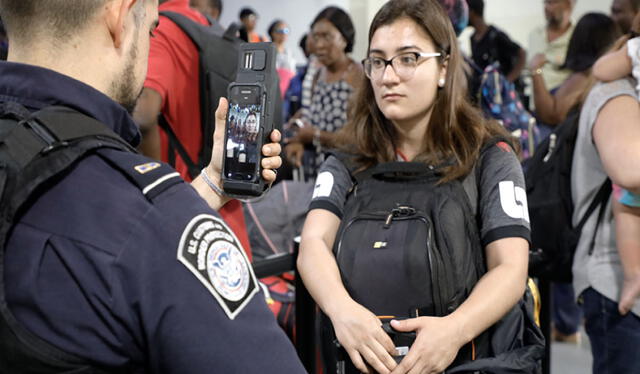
(175, 145)
(34, 153)
(191, 28)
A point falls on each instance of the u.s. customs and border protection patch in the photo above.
(215, 256)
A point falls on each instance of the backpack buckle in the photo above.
(54, 146)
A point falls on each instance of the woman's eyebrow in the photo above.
(398, 50)
(407, 47)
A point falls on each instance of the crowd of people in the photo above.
(154, 262)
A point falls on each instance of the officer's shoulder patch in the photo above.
(210, 250)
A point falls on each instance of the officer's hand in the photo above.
(360, 333)
(436, 346)
(270, 151)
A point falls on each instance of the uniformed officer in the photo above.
(121, 265)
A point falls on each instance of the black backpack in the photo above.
(548, 179)
(420, 245)
(218, 55)
(36, 152)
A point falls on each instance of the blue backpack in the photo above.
(499, 100)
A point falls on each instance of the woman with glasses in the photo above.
(333, 35)
(285, 63)
(413, 107)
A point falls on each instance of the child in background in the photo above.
(626, 204)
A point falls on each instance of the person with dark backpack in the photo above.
(190, 66)
(415, 246)
(490, 45)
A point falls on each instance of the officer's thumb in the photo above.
(221, 117)
(221, 112)
(405, 325)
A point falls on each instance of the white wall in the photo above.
(516, 17)
(298, 14)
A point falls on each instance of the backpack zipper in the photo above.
(552, 146)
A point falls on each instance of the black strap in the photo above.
(600, 199)
(53, 139)
(192, 168)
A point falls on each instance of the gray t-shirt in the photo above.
(502, 199)
(601, 270)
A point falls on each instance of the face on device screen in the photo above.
(243, 131)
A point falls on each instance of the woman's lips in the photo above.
(392, 96)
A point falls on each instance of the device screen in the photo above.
(243, 134)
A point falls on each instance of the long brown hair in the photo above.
(456, 130)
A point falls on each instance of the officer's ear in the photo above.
(117, 12)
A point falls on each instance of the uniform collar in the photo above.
(36, 88)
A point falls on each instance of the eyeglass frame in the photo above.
(426, 55)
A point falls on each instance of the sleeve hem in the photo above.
(506, 232)
(325, 205)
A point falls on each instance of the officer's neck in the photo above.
(71, 59)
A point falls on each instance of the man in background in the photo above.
(623, 12)
(490, 44)
(212, 9)
(249, 19)
(552, 40)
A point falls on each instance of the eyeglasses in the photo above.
(403, 64)
(282, 31)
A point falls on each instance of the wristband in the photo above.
(538, 71)
(316, 138)
(210, 183)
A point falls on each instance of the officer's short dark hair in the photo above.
(635, 4)
(59, 19)
(341, 20)
(477, 6)
(246, 12)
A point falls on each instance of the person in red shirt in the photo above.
(172, 88)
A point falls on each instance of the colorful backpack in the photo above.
(499, 99)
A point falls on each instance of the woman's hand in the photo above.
(537, 62)
(271, 152)
(436, 346)
(294, 152)
(360, 333)
(305, 134)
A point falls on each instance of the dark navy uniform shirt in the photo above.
(100, 271)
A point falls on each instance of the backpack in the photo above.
(410, 246)
(36, 151)
(499, 99)
(218, 56)
(272, 224)
(548, 178)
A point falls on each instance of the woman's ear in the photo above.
(442, 78)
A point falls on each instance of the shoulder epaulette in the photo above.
(150, 176)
